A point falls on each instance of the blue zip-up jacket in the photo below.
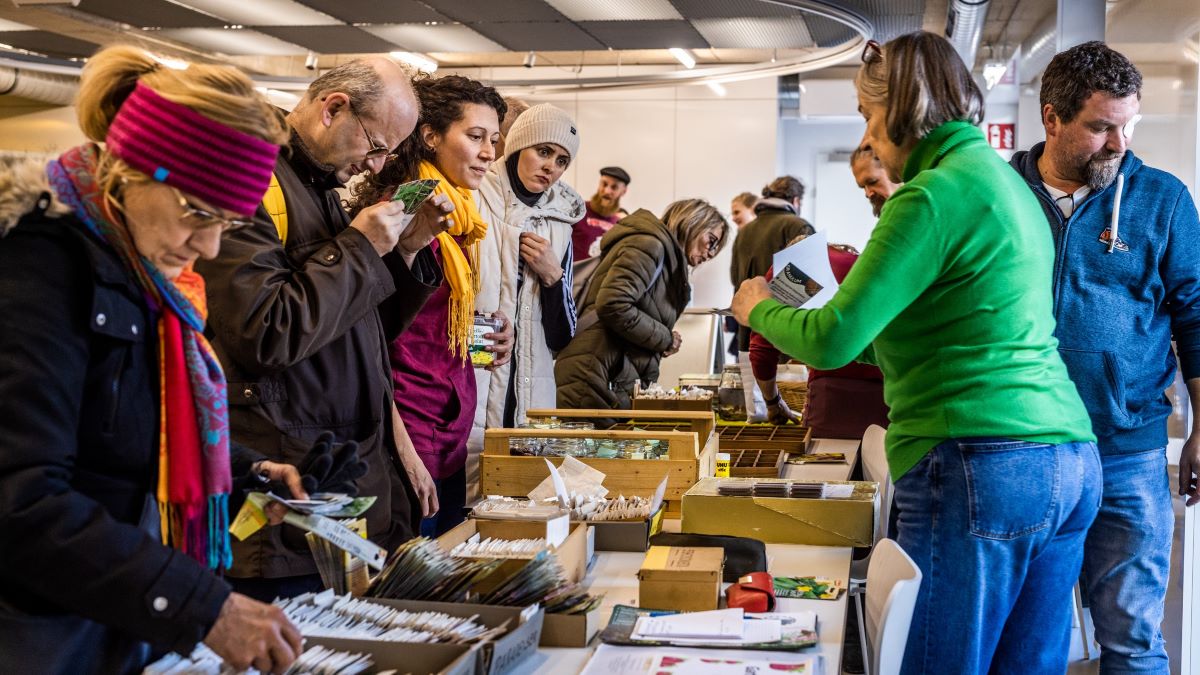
(1118, 311)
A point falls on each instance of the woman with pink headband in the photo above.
(115, 463)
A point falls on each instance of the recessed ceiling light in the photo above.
(717, 88)
(419, 61)
(683, 56)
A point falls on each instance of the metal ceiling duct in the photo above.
(45, 87)
(1037, 50)
(964, 27)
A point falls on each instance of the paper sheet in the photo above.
(811, 257)
(614, 660)
(578, 478)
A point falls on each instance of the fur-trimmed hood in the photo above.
(22, 182)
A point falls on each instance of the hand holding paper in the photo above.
(749, 294)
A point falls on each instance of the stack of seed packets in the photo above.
(422, 570)
(332, 616)
(783, 489)
(499, 548)
(315, 660)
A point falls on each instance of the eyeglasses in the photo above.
(376, 149)
(714, 242)
(872, 52)
(205, 218)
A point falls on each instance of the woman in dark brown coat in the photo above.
(630, 307)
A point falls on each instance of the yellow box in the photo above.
(782, 520)
(684, 578)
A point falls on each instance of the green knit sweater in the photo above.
(952, 299)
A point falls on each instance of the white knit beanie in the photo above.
(543, 123)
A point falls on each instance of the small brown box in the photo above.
(683, 578)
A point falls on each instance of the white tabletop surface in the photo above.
(820, 472)
(615, 575)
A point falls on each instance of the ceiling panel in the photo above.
(539, 36)
(242, 42)
(645, 34)
(755, 33)
(150, 14)
(261, 12)
(330, 39)
(377, 11)
(45, 42)
(615, 10)
(725, 9)
(828, 33)
(450, 37)
(486, 11)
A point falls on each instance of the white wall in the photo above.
(29, 126)
(832, 201)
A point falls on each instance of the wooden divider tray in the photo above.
(756, 463)
(790, 438)
(689, 436)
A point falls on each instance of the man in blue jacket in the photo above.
(1126, 281)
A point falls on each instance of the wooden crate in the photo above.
(750, 463)
(691, 454)
(791, 438)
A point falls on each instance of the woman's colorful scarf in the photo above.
(193, 457)
(460, 254)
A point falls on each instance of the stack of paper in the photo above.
(721, 626)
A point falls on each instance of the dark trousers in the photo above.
(452, 498)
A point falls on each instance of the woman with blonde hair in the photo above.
(630, 306)
(115, 461)
(996, 472)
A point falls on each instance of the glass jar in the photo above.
(480, 357)
(731, 398)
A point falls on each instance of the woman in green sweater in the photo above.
(996, 473)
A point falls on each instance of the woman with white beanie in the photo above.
(525, 266)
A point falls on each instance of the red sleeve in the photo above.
(764, 357)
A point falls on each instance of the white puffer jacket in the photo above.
(552, 218)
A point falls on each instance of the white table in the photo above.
(824, 472)
(615, 575)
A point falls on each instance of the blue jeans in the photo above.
(1127, 561)
(997, 528)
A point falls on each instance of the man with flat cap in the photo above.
(602, 213)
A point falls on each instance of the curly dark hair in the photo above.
(1082, 70)
(786, 188)
(442, 100)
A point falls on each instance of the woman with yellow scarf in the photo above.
(434, 381)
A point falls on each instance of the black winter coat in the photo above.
(85, 582)
(302, 330)
(633, 300)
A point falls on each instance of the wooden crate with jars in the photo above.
(682, 446)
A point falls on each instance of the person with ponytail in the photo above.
(116, 469)
(435, 389)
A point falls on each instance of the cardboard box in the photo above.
(406, 657)
(681, 577)
(491, 658)
(779, 520)
(572, 553)
(627, 535)
(571, 630)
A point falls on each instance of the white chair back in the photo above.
(893, 581)
(875, 469)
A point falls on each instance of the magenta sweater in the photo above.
(435, 390)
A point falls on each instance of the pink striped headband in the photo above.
(176, 145)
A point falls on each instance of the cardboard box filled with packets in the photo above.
(830, 514)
